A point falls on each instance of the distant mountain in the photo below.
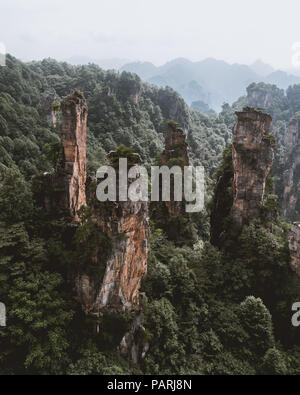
(261, 68)
(282, 79)
(211, 81)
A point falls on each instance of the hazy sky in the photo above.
(153, 30)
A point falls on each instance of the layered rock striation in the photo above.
(127, 226)
(120, 258)
(175, 154)
(252, 156)
(291, 176)
(73, 138)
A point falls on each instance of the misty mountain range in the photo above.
(204, 85)
(210, 82)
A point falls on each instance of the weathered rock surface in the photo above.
(291, 177)
(126, 224)
(73, 138)
(128, 229)
(49, 109)
(260, 98)
(132, 345)
(65, 189)
(175, 154)
(252, 156)
(294, 246)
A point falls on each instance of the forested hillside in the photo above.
(206, 309)
(122, 110)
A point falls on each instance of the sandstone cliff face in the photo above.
(126, 224)
(66, 187)
(294, 246)
(252, 156)
(73, 138)
(260, 98)
(291, 177)
(175, 154)
(128, 229)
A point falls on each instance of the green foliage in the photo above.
(199, 318)
(273, 363)
(54, 154)
(123, 152)
(96, 363)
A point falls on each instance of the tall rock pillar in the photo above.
(175, 154)
(252, 155)
(73, 138)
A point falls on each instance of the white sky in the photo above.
(152, 30)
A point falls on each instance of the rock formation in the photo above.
(294, 246)
(252, 156)
(126, 224)
(66, 187)
(259, 98)
(291, 177)
(49, 108)
(175, 154)
(123, 224)
(73, 138)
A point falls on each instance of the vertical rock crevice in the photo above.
(291, 176)
(73, 138)
(252, 157)
(175, 154)
(241, 184)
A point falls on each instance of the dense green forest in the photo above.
(207, 311)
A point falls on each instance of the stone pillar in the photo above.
(73, 138)
(253, 155)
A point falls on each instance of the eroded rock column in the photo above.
(252, 155)
(73, 138)
(127, 227)
(291, 177)
(175, 154)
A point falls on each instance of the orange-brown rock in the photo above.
(128, 230)
(127, 226)
(124, 224)
(252, 155)
(73, 138)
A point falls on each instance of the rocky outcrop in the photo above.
(123, 225)
(133, 344)
(252, 155)
(291, 176)
(175, 154)
(49, 109)
(294, 246)
(126, 224)
(66, 186)
(118, 290)
(73, 138)
(260, 98)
